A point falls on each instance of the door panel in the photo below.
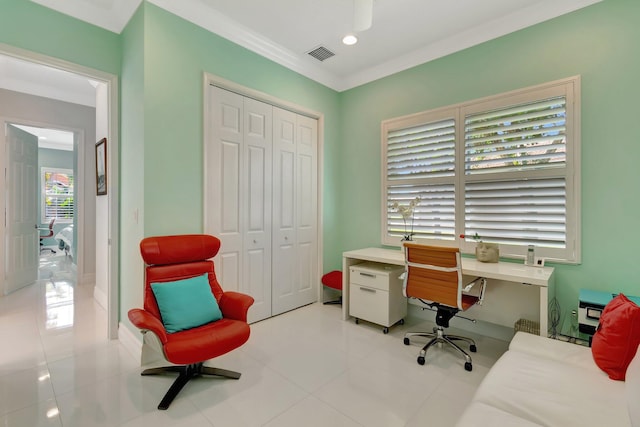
(21, 264)
(224, 183)
(307, 217)
(257, 171)
(228, 270)
(295, 207)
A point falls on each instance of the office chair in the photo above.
(46, 236)
(182, 262)
(434, 277)
(333, 280)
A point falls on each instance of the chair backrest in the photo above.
(50, 232)
(433, 274)
(170, 258)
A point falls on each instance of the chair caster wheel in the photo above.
(420, 360)
(473, 348)
(357, 320)
(385, 330)
(406, 341)
(467, 366)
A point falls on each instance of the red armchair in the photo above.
(170, 259)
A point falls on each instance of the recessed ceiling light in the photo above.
(349, 39)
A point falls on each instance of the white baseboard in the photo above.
(101, 297)
(132, 342)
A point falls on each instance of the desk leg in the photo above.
(544, 311)
(346, 263)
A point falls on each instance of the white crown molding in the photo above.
(473, 36)
(199, 13)
(202, 15)
(206, 17)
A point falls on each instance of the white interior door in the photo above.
(22, 242)
(257, 213)
(294, 214)
(224, 181)
(307, 217)
(284, 211)
(239, 202)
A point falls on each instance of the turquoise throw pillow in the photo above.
(186, 304)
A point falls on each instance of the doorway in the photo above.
(51, 193)
(105, 99)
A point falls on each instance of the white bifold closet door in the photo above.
(261, 201)
(294, 210)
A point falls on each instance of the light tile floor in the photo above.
(303, 368)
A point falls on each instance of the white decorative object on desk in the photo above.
(485, 252)
(407, 214)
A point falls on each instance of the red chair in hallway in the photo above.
(193, 318)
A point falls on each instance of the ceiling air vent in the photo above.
(321, 53)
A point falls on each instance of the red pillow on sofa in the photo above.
(615, 342)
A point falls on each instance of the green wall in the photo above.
(132, 164)
(176, 55)
(160, 59)
(600, 43)
(29, 26)
(164, 58)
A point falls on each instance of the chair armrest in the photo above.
(144, 320)
(480, 293)
(235, 305)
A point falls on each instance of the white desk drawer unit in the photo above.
(375, 291)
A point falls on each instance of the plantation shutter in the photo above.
(58, 196)
(519, 212)
(529, 209)
(421, 163)
(522, 137)
(422, 151)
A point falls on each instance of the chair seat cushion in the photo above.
(206, 342)
(186, 304)
(333, 279)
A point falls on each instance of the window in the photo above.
(57, 195)
(505, 167)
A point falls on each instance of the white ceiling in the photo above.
(50, 138)
(404, 33)
(27, 77)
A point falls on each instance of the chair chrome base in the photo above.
(437, 336)
(337, 301)
(186, 373)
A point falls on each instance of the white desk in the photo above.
(506, 271)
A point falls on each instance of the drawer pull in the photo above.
(367, 274)
(373, 291)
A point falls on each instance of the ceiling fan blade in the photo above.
(362, 14)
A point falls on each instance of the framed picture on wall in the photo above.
(101, 167)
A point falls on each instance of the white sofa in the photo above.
(545, 382)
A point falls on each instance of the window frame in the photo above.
(43, 196)
(568, 88)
